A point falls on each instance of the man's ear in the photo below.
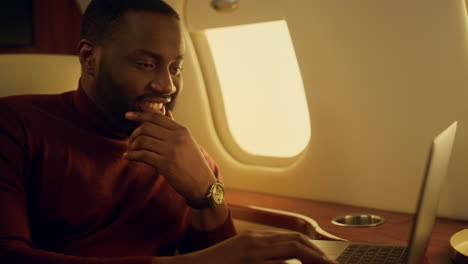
(89, 57)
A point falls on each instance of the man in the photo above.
(105, 174)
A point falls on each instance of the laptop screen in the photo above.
(434, 177)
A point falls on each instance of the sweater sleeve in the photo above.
(16, 245)
(23, 255)
(199, 239)
(195, 240)
(13, 216)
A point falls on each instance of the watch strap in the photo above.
(204, 203)
(199, 204)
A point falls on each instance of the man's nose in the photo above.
(163, 84)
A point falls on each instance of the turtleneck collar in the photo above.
(93, 116)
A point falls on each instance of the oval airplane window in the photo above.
(261, 88)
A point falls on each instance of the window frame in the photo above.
(217, 108)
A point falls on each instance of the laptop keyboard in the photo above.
(371, 254)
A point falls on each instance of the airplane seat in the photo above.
(38, 74)
(49, 74)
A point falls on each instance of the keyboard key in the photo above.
(370, 254)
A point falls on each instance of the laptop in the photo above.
(434, 176)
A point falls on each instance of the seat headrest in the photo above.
(38, 74)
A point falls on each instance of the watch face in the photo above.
(218, 194)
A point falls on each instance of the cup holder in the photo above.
(358, 220)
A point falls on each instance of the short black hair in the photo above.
(102, 17)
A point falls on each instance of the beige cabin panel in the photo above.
(382, 78)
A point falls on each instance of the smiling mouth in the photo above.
(157, 106)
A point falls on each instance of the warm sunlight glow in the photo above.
(262, 88)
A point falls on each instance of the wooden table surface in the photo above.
(395, 230)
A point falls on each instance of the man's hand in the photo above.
(256, 248)
(169, 147)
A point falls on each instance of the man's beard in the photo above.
(114, 104)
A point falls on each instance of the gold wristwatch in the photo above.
(215, 197)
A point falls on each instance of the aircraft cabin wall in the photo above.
(381, 79)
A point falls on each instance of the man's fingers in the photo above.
(267, 248)
(158, 119)
(149, 130)
(293, 249)
(145, 156)
(288, 245)
(170, 115)
(274, 262)
(146, 143)
(278, 237)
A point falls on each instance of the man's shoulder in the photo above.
(29, 99)
(33, 102)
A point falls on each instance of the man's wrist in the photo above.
(201, 192)
(213, 197)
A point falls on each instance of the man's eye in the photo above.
(176, 70)
(144, 66)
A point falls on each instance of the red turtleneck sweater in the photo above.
(68, 196)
